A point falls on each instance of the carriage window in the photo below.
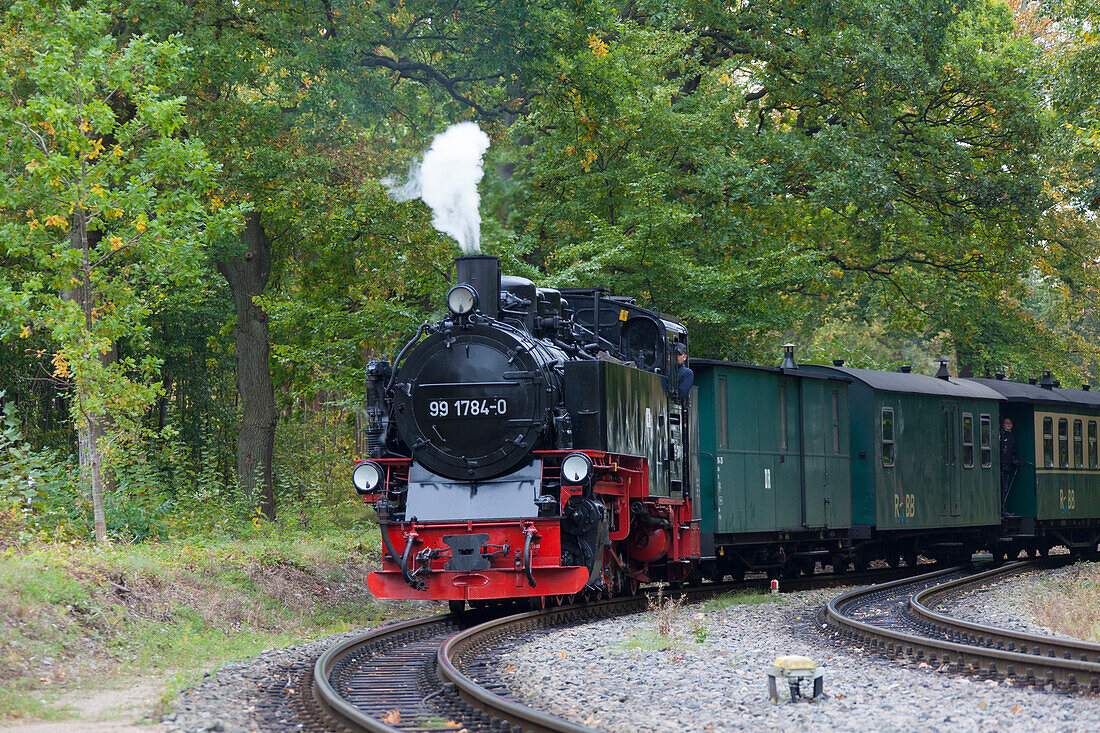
(1078, 443)
(887, 436)
(1048, 442)
(782, 417)
(968, 440)
(836, 421)
(985, 435)
(723, 415)
(1092, 444)
(1063, 443)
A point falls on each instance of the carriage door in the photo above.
(951, 478)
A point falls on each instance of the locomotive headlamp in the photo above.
(576, 469)
(367, 477)
(461, 300)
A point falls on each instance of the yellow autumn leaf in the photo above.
(57, 221)
(599, 48)
(61, 366)
(141, 223)
(26, 332)
(116, 243)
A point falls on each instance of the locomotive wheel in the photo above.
(456, 606)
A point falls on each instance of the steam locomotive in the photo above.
(533, 444)
(530, 444)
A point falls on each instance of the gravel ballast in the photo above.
(620, 675)
(593, 674)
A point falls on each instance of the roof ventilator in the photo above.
(1046, 382)
(788, 357)
(906, 368)
(943, 373)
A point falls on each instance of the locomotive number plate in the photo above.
(452, 408)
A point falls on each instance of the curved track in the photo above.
(898, 619)
(426, 674)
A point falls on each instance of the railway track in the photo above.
(427, 674)
(899, 619)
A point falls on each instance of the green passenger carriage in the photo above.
(925, 469)
(1054, 496)
(774, 465)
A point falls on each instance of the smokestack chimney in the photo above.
(906, 368)
(838, 362)
(482, 273)
(943, 373)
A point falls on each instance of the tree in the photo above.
(291, 97)
(741, 164)
(101, 200)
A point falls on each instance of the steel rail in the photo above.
(463, 647)
(457, 650)
(332, 702)
(969, 646)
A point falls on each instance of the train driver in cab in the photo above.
(685, 378)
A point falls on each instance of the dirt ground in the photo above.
(103, 711)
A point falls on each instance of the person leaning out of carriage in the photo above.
(685, 378)
(1010, 463)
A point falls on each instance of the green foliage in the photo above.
(101, 205)
(740, 166)
(37, 487)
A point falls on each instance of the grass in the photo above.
(740, 598)
(650, 640)
(1069, 603)
(74, 616)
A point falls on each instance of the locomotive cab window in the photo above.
(1092, 444)
(1048, 442)
(1063, 442)
(968, 440)
(887, 436)
(1078, 443)
(985, 435)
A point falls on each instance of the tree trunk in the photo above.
(91, 426)
(89, 433)
(247, 276)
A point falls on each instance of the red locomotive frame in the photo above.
(650, 538)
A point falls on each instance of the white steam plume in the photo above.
(446, 179)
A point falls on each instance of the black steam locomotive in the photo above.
(531, 444)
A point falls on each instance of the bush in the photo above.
(37, 487)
